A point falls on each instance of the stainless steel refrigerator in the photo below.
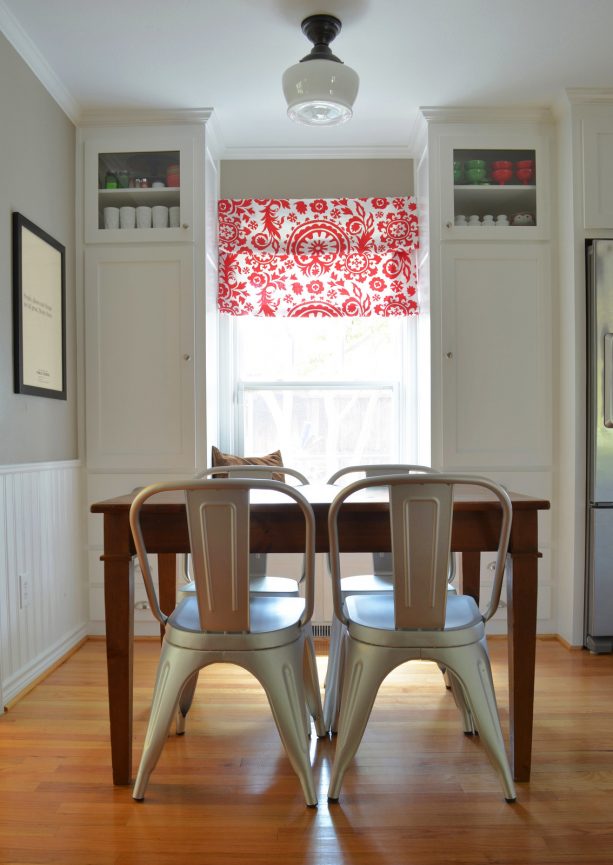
(599, 566)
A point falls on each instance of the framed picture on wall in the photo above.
(39, 311)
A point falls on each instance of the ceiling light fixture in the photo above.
(320, 90)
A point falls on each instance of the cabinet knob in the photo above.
(187, 357)
(449, 225)
(449, 355)
(185, 225)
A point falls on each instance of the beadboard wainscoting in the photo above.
(43, 608)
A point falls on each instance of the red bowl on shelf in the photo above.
(525, 163)
(524, 175)
(502, 175)
(502, 163)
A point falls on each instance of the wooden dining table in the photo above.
(364, 527)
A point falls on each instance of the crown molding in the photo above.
(484, 114)
(30, 54)
(589, 94)
(303, 152)
(142, 116)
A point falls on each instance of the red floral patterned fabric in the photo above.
(319, 257)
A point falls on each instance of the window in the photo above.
(320, 330)
(328, 392)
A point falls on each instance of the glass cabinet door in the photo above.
(137, 194)
(493, 190)
(494, 187)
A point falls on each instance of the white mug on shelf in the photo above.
(111, 217)
(127, 217)
(159, 214)
(174, 216)
(474, 219)
(488, 219)
(143, 217)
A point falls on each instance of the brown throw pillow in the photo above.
(218, 458)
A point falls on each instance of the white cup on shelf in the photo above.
(474, 219)
(143, 217)
(174, 217)
(159, 216)
(488, 219)
(111, 217)
(127, 217)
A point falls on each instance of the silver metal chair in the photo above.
(223, 621)
(260, 581)
(380, 580)
(420, 618)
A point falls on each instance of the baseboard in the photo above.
(15, 688)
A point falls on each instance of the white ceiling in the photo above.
(229, 55)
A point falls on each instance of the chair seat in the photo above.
(366, 583)
(371, 620)
(274, 621)
(260, 585)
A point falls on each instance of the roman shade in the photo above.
(318, 257)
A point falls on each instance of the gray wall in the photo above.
(37, 178)
(321, 178)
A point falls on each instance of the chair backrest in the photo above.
(382, 562)
(218, 515)
(370, 471)
(421, 515)
(253, 471)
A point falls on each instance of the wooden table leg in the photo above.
(167, 583)
(119, 613)
(522, 589)
(471, 574)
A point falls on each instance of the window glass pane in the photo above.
(311, 349)
(319, 429)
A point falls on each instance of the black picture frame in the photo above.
(39, 311)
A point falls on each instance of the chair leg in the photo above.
(471, 666)
(461, 702)
(175, 667)
(332, 681)
(185, 702)
(280, 672)
(311, 687)
(365, 668)
(337, 696)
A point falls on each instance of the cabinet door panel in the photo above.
(139, 379)
(496, 356)
(598, 172)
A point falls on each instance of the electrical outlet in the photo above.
(25, 591)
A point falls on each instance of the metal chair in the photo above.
(379, 581)
(419, 618)
(260, 581)
(223, 621)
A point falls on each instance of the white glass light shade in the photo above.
(320, 92)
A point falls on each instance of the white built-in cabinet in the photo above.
(496, 365)
(140, 357)
(488, 263)
(144, 307)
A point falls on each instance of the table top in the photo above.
(466, 498)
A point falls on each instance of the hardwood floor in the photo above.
(418, 792)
